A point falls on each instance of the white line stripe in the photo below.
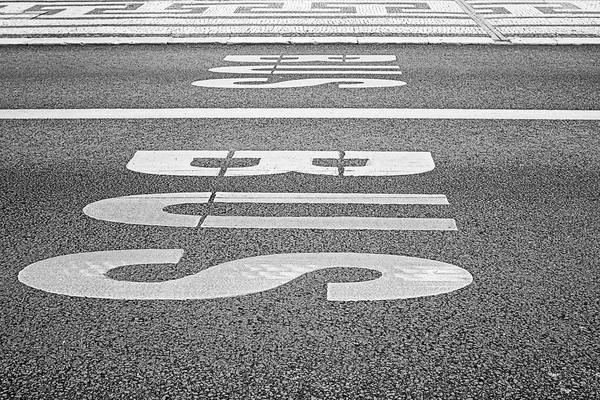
(332, 72)
(304, 113)
(461, 40)
(309, 69)
(376, 223)
(333, 67)
(334, 59)
(330, 198)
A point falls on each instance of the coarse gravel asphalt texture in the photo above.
(524, 194)
(529, 77)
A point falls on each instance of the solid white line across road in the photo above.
(304, 113)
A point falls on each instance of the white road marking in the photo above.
(386, 163)
(309, 69)
(342, 67)
(291, 58)
(378, 163)
(250, 83)
(83, 275)
(148, 209)
(283, 69)
(178, 162)
(304, 113)
(355, 223)
(329, 198)
(281, 162)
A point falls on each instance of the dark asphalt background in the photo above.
(525, 195)
(534, 77)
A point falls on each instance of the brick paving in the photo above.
(500, 21)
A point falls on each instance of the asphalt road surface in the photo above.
(524, 195)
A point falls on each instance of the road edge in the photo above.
(232, 40)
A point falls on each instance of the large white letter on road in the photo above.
(254, 83)
(377, 163)
(83, 275)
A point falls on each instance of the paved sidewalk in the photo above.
(301, 21)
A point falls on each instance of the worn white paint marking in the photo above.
(309, 69)
(325, 70)
(281, 162)
(250, 83)
(378, 163)
(147, 209)
(342, 68)
(83, 275)
(303, 113)
(178, 162)
(330, 198)
(291, 58)
(390, 163)
(375, 223)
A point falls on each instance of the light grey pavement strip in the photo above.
(278, 21)
(493, 32)
(308, 113)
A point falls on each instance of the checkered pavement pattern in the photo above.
(500, 20)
